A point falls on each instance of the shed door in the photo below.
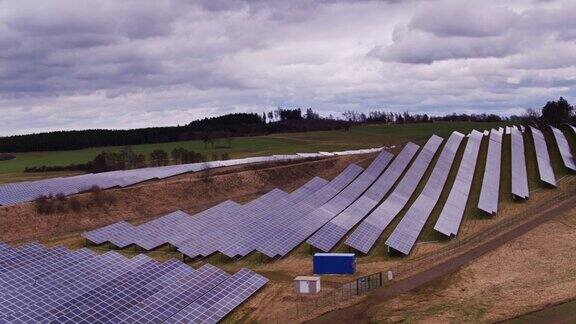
(304, 287)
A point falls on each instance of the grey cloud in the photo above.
(465, 19)
(416, 47)
(84, 64)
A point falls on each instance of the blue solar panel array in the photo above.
(56, 285)
(298, 231)
(520, 187)
(332, 232)
(218, 227)
(490, 190)
(283, 220)
(323, 212)
(451, 215)
(368, 232)
(542, 157)
(19, 192)
(407, 231)
(564, 149)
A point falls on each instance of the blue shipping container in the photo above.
(334, 263)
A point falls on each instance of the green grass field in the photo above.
(364, 136)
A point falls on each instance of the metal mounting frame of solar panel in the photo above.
(564, 149)
(296, 232)
(520, 187)
(451, 215)
(332, 232)
(367, 233)
(280, 210)
(490, 190)
(542, 157)
(410, 226)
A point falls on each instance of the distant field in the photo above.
(364, 136)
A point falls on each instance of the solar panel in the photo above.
(174, 296)
(519, 174)
(279, 224)
(333, 231)
(179, 228)
(369, 230)
(15, 193)
(215, 304)
(296, 232)
(489, 192)
(564, 149)
(212, 240)
(57, 285)
(542, 158)
(229, 236)
(407, 231)
(451, 215)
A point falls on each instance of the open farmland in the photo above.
(363, 136)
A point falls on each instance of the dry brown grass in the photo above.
(148, 200)
(529, 273)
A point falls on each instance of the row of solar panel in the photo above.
(324, 212)
(56, 285)
(15, 193)
(283, 223)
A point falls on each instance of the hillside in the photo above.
(195, 192)
(363, 136)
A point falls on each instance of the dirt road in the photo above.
(357, 313)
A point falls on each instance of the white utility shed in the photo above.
(307, 284)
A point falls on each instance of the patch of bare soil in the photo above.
(191, 193)
(527, 274)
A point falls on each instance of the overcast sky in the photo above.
(75, 64)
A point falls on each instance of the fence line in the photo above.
(365, 284)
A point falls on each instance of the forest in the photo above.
(281, 120)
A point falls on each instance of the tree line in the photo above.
(218, 132)
(127, 159)
(214, 131)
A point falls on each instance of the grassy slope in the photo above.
(360, 137)
(472, 215)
